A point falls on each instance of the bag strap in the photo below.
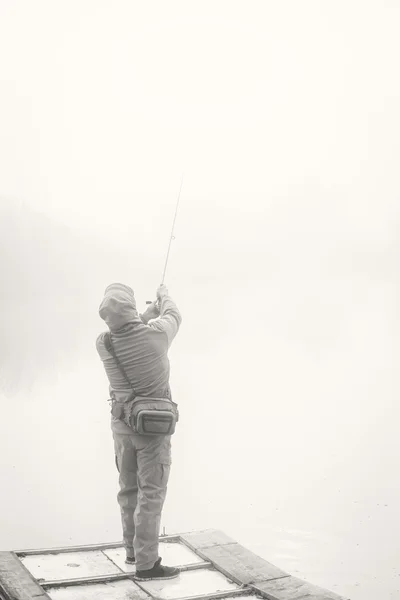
(110, 348)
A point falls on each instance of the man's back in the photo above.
(142, 349)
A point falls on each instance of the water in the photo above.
(291, 449)
(284, 371)
(285, 266)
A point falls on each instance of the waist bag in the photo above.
(147, 416)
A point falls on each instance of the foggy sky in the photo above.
(283, 117)
(105, 103)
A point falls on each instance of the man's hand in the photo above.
(162, 291)
(151, 312)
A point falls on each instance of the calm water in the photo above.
(285, 265)
(290, 448)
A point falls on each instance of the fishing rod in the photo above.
(172, 237)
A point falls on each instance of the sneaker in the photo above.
(157, 572)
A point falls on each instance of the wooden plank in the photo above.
(87, 547)
(292, 588)
(60, 550)
(197, 540)
(232, 595)
(16, 583)
(240, 564)
(79, 581)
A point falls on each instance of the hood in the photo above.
(118, 306)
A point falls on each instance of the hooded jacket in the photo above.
(142, 349)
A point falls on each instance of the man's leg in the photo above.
(153, 460)
(125, 454)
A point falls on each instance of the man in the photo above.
(143, 461)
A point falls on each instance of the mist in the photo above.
(283, 120)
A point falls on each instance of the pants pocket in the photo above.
(154, 478)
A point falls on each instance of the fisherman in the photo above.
(143, 461)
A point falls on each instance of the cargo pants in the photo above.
(143, 463)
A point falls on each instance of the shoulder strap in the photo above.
(110, 348)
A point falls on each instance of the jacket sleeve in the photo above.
(169, 320)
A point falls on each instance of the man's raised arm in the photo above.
(169, 318)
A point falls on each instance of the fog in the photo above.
(283, 118)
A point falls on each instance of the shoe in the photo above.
(157, 572)
(130, 559)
